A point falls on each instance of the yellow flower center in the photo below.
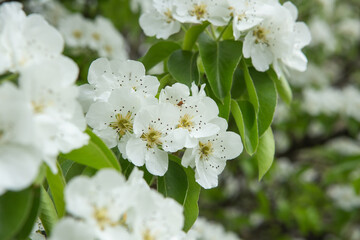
(147, 235)
(206, 149)
(108, 49)
(123, 124)
(103, 220)
(169, 16)
(37, 107)
(185, 122)
(260, 34)
(199, 11)
(77, 34)
(96, 36)
(152, 138)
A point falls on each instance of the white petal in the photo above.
(156, 161)
(188, 158)
(135, 150)
(98, 68)
(99, 116)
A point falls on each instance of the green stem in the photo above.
(223, 31)
(163, 82)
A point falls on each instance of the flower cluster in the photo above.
(269, 30)
(99, 35)
(107, 206)
(125, 113)
(40, 117)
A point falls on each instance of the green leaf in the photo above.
(32, 217)
(15, 210)
(265, 152)
(96, 154)
(267, 97)
(174, 183)
(224, 108)
(71, 169)
(109, 154)
(182, 65)
(191, 208)
(192, 35)
(246, 121)
(48, 215)
(282, 86)
(190, 203)
(158, 52)
(220, 60)
(250, 86)
(57, 185)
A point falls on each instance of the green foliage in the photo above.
(267, 99)
(179, 184)
(57, 186)
(158, 52)
(220, 60)
(192, 35)
(96, 154)
(18, 212)
(265, 153)
(182, 65)
(282, 86)
(246, 121)
(48, 213)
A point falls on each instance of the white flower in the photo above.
(210, 155)
(278, 39)
(71, 229)
(204, 229)
(25, 40)
(107, 40)
(107, 206)
(159, 20)
(49, 88)
(105, 76)
(155, 133)
(246, 14)
(197, 11)
(195, 112)
(113, 120)
(75, 29)
(344, 197)
(19, 159)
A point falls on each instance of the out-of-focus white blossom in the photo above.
(108, 207)
(203, 229)
(344, 197)
(322, 33)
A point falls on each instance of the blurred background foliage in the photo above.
(312, 189)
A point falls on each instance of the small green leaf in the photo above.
(265, 152)
(57, 185)
(15, 209)
(192, 35)
(220, 60)
(182, 65)
(250, 86)
(96, 154)
(282, 86)
(174, 183)
(48, 215)
(158, 52)
(245, 118)
(32, 217)
(267, 97)
(190, 204)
